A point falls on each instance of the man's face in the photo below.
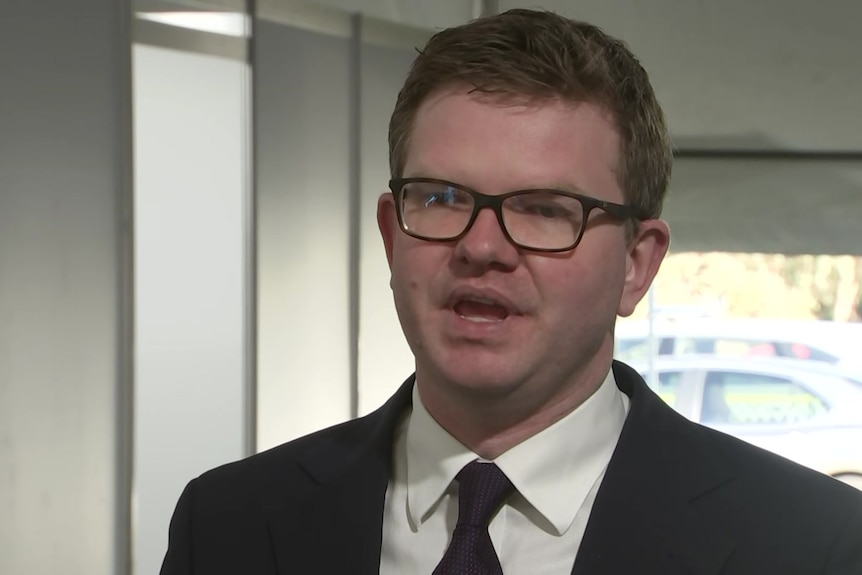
(483, 316)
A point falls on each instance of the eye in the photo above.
(545, 207)
(549, 211)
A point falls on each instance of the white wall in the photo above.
(735, 73)
(776, 206)
(743, 74)
(385, 359)
(65, 254)
(428, 14)
(190, 221)
(302, 168)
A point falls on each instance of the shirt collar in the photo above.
(553, 470)
(434, 458)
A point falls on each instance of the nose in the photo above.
(485, 245)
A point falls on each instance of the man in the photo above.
(529, 160)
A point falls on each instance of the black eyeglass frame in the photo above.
(620, 212)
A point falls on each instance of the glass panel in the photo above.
(668, 386)
(765, 279)
(753, 398)
(632, 350)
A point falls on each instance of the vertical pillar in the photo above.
(65, 289)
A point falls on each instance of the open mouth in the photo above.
(481, 310)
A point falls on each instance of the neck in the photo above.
(491, 423)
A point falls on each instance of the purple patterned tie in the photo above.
(482, 489)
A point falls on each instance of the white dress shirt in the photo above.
(556, 473)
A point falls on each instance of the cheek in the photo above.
(404, 285)
(584, 292)
(414, 267)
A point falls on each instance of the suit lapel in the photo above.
(644, 519)
(337, 528)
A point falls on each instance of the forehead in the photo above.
(498, 143)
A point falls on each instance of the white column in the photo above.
(65, 291)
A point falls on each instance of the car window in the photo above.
(741, 347)
(694, 345)
(802, 351)
(634, 350)
(630, 350)
(668, 385)
(752, 398)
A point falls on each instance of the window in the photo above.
(668, 386)
(752, 398)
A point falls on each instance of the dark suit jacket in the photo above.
(677, 498)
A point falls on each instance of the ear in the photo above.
(387, 222)
(646, 250)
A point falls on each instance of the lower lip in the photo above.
(476, 328)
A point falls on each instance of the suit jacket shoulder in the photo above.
(312, 505)
(688, 499)
(677, 498)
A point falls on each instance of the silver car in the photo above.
(806, 411)
(830, 342)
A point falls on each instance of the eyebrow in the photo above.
(559, 187)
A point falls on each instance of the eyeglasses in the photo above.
(539, 220)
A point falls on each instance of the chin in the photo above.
(479, 382)
(468, 366)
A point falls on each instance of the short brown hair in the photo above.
(536, 56)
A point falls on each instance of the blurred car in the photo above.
(806, 411)
(825, 341)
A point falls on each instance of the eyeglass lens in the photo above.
(534, 219)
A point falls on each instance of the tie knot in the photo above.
(482, 489)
